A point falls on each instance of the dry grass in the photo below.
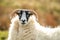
(42, 7)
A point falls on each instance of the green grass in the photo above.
(3, 35)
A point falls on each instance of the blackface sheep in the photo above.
(24, 26)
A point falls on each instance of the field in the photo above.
(48, 12)
(3, 35)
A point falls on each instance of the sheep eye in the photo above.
(17, 13)
(30, 14)
(19, 16)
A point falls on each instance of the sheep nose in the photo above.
(23, 21)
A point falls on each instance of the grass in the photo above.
(3, 35)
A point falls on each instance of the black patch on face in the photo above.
(28, 14)
(20, 14)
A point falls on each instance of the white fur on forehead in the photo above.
(24, 9)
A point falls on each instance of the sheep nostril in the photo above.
(23, 21)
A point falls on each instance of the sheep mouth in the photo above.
(23, 23)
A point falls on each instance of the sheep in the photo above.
(46, 33)
(24, 26)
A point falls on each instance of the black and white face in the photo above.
(24, 16)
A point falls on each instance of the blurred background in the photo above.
(48, 12)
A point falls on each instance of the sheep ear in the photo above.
(17, 12)
(34, 13)
(13, 14)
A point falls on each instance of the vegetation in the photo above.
(48, 11)
(3, 35)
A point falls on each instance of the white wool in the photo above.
(15, 18)
(45, 33)
(35, 31)
(17, 30)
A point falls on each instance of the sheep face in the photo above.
(25, 16)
